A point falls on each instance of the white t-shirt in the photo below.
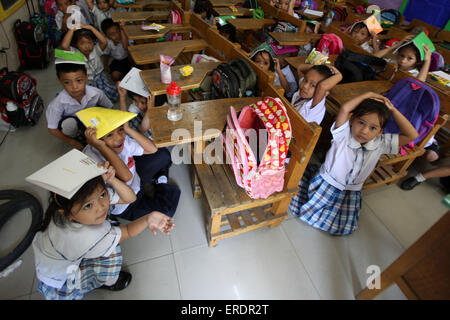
(348, 164)
(60, 16)
(100, 15)
(304, 107)
(115, 51)
(130, 148)
(290, 79)
(59, 250)
(94, 65)
(367, 46)
(414, 72)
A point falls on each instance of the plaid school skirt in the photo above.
(94, 273)
(101, 82)
(325, 207)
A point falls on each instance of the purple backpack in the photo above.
(418, 103)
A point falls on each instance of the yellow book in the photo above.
(104, 119)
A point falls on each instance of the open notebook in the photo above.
(67, 174)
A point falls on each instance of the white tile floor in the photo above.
(293, 261)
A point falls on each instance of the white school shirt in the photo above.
(100, 15)
(367, 46)
(130, 148)
(60, 16)
(64, 105)
(290, 79)
(414, 72)
(348, 164)
(116, 51)
(304, 107)
(58, 251)
(94, 65)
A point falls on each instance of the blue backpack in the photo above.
(391, 15)
(418, 103)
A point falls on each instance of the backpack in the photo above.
(436, 61)
(330, 44)
(283, 26)
(33, 48)
(359, 9)
(233, 79)
(358, 67)
(49, 27)
(340, 14)
(174, 18)
(20, 89)
(418, 103)
(259, 178)
(391, 15)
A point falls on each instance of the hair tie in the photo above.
(56, 200)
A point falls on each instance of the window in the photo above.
(8, 7)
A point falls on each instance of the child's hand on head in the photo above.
(160, 221)
(91, 138)
(150, 102)
(277, 64)
(122, 23)
(109, 175)
(427, 50)
(122, 91)
(407, 38)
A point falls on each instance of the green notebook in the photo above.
(419, 41)
(223, 19)
(69, 57)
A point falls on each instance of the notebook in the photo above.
(67, 174)
(313, 12)
(69, 57)
(134, 83)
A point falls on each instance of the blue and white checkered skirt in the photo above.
(94, 273)
(325, 207)
(101, 82)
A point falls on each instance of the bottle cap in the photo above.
(173, 89)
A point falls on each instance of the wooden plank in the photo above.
(293, 38)
(251, 24)
(225, 3)
(209, 187)
(140, 16)
(229, 197)
(247, 218)
(260, 214)
(234, 221)
(140, 4)
(226, 11)
(134, 32)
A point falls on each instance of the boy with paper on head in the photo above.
(124, 147)
(365, 33)
(76, 96)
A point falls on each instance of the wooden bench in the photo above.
(134, 32)
(140, 16)
(293, 38)
(225, 3)
(225, 11)
(139, 5)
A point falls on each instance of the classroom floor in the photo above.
(292, 261)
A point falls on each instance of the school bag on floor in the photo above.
(358, 67)
(330, 44)
(234, 79)
(259, 178)
(19, 90)
(418, 103)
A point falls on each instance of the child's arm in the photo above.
(154, 220)
(422, 76)
(146, 143)
(145, 124)
(291, 7)
(101, 38)
(65, 43)
(283, 80)
(323, 87)
(302, 69)
(375, 43)
(349, 106)
(408, 132)
(124, 37)
(126, 194)
(72, 142)
(122, 97)
(381, 53)
(122, 171)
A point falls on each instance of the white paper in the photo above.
(442, 74)
(67, 174)
(134, 83)
(313, 12)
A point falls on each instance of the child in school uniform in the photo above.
(77, 95)
(83, 40)
(117, 48)
(77, 249)
(124, 148)
(62, 15)
(361, 34)
(330, 198)
(314, 86)
(101, 11)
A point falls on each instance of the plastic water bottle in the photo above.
(174, 100)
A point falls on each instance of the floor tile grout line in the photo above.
(178, 278)
(301, 262)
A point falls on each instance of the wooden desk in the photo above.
(149, 52)
(296, 61)
(138, 5)
(225, 3)
(310, 16)
(152, 78)
(140, 16)
(251, 24)
(293, 38)
(226, 11)
(134, 32)
(212, 114)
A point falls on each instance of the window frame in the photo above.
(6, 13)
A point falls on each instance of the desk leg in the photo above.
(197, 157)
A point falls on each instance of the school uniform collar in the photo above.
(67, 98)
(369, 146)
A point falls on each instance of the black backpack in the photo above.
(358, 67)
(20, 89)
(235, 79)
(391, 15)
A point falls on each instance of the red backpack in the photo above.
(330, 44)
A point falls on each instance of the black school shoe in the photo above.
(122, 282)
(409, 183)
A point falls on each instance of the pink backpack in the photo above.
(175, 18)
(330, 44)
(262, 179)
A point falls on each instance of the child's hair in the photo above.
(411, 46)
(359, 26)
(82, 33)
(132, 94)
(373, 106)
(69, 67)
(58, 202)
(310, 25)
(108, 23)
(322, 70)
(272, 63)
(227, 29)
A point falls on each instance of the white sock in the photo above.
(420, 178)
(162, 179)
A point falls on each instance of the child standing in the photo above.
(124, 148)
(83, 40)
(77, 250)
(330, 198)
(61, 119)
(315, 84)
(117, 48)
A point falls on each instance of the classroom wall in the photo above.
(6, 26)
(388, 4)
